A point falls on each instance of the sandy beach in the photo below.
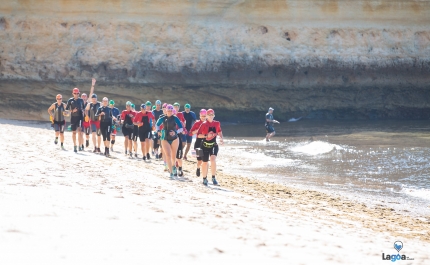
(58, 207)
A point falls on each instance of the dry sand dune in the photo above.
(58, 207)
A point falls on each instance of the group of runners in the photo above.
(162, 130)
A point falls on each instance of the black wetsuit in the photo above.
(105, 121)
(76, 117)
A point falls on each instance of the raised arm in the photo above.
(91, 90)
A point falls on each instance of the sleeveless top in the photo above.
(58, 112)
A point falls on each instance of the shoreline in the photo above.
(263, 204)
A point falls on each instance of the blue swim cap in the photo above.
(158, 102)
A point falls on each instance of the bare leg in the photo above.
(187, 149)
(143, 147)
(80, 136)
(174, 145)
(204, 169)
(213, 164)
(62, 137)
(167, 151)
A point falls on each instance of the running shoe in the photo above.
(75, 149)
(175, 171)
(205, 181)
(87, 143)
(95, 150)
(198, 172)
(135, 155)
(171, 176)
(144, 158)
(111, 149)
(180, 173)
(147, 156)
(131, 155)
(125, 152)
(165, 168)
(63, 148)
(214, 181)
(157, 157)
(98, 150)
(56, 141)
(80, 148)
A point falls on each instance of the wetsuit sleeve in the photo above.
(99, 110)
(179, 124)
(69, 104)
(203, 129)
(194, 116)
(218, 127)
(159, 122)
(137, 117)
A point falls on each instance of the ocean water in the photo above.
(375, 162)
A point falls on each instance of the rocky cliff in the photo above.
(313, 58)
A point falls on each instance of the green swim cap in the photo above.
(187, 106)
(148, 103)
(176, 104)
(111, 102)
(132, 105)
(153, 107)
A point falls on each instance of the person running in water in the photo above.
(86, 128)
(169, 137)
(157, 112)
(116, 114)
(91, 111)
(190, 119)
(270, 131)
(198, 142)
(105, 116)
(143, 120)
(210, 129)
(56, 113)
(127, 117)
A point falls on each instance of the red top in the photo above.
(214, 126)
(196, 126)
(181, 117)
(139, 115)
(128, 113)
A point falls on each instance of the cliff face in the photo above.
(319, 58)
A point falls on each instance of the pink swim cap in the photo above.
(164, 105)
(169, 107)
(203, 111)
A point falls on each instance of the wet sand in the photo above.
(58, 207)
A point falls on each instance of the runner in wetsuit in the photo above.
(150, 146)
(198, 142)
(179, 152)
(57, 116)
(169, 137)
(190, 118)
(76, 106)
(144, 120)
(116, 114)
(91, 111)
(164, 109)
(182, 136)
(105, 116)
(86, 122)
(210, 129)
(156, 112)
(127, 117)
(135, 133)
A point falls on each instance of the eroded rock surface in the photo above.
(319, 59)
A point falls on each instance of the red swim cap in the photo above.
(210, 111)
(76, 90)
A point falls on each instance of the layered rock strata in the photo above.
(319, 59)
